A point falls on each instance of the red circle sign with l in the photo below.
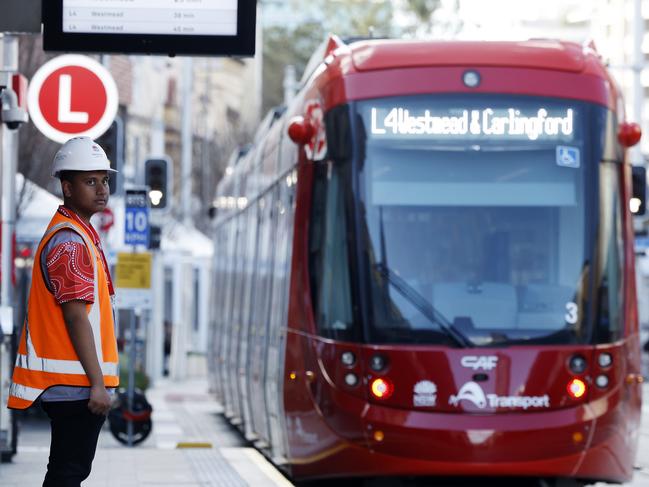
(72, 95)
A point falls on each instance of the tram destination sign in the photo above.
(486, 123)
(198, 27)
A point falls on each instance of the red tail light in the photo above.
(381, 388)
(576, 388)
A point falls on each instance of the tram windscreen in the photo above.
(474, 213)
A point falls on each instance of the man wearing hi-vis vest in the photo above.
(67, 354)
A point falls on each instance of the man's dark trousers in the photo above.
(75, 431)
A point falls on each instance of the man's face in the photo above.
(87, 192)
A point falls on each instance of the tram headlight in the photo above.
(378, 363)
(348, 358)
(471, 78)
(601, 381)
(381, 388)
(577, 364)
(604, 360)
(576, 388)
(351, 379)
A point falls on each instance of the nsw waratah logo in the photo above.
(470, 391)
(425, 393)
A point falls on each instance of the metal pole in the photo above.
(638, 66)
(9, 160)
(259, 66)
(155, 326)
(186, 135)
(135, 315)
(9, 155)
(290, 83)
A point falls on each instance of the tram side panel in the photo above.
(244, 321)
(275, 372)
(262, 308)
(236, 336)
(231, 228)
(239, 320)
(633, 345)
(272, 294)
(614, 439)
(217, 323)
(278, 373)
(251, 220)
(305, 439)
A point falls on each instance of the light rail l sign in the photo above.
(72, 95)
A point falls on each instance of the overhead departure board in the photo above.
(192, 27)
(172, 17)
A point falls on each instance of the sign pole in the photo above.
(135, 314)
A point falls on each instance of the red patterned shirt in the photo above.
(67, 266)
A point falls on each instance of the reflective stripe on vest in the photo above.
(60, 366)
(24, 392)
(58, 371)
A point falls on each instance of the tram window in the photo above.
(328, 251)
(610, 255)
(495, 226)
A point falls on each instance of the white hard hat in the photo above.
(80, 154)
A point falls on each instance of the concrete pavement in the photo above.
(183, 413)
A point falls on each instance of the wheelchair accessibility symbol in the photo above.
(567, 156)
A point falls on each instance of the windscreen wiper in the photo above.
(424, 306)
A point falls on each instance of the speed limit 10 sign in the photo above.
(136, 217)
(72, 95)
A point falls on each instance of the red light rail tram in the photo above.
(425, 268)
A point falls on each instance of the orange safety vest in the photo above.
(46, 356)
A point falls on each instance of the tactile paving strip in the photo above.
(212, 469)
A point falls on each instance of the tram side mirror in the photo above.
(300, 130)
(629, 134)
(637, 205)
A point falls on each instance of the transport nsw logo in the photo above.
(472, 392)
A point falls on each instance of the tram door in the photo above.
(260, 318)
(248, 249)
(228, 290)
(277, 336)
(236, 332)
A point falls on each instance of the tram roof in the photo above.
(371, 68)
(537, 53)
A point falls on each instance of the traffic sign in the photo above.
(136, 217)
(133, 280)
(133, 271)
(72, 95)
